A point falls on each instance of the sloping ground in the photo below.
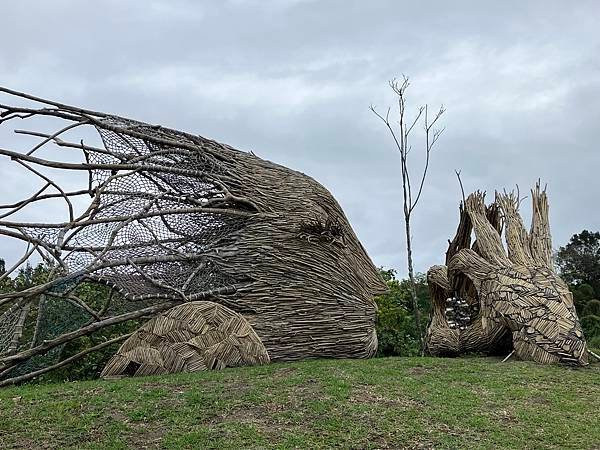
(378, 403)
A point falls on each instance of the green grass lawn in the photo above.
(378, 403)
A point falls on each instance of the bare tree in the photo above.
(400, 131)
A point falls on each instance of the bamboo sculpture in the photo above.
(517, 293)
(190, 337)
(176, 218)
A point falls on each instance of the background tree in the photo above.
(400, 131)
(29, 276)
(5, 281)
(579, 260)
(579, 265)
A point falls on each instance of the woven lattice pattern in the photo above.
(169, 208)
(189, 338)
(9, 322)
(517, 291)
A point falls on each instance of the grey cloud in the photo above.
(292, 81)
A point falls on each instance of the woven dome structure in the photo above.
(516, 292)
(176, 218)
(191, 337)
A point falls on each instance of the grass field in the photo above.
(377, 403)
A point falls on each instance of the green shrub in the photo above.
(582, 294)
(592, 308)
(591, 326)
(90, 366)
(396, 331)
(594, 344)
(96, 296)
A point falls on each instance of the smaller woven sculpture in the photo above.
(485, 293)
(190, 337)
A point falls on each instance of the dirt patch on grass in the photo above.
(424, 370)
(538, 400)
(146, 437)
(267, 418)
(504, 416)
(419, 370)
(271, 416)
(29, 444)
(418, 445)
(284, 372)
(366, 394)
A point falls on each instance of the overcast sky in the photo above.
(293, 80)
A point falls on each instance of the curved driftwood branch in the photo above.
(64, 362)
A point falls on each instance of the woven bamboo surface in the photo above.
(189, 338)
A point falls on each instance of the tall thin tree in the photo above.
(400, 130)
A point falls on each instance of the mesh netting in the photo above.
(56, 316)
(158, 214)
(8, 326)
(149, 227)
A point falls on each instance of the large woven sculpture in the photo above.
(190, 337)
(175, 218)
(485, 292)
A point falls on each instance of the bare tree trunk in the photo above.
(413, 285)
(18, 333)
